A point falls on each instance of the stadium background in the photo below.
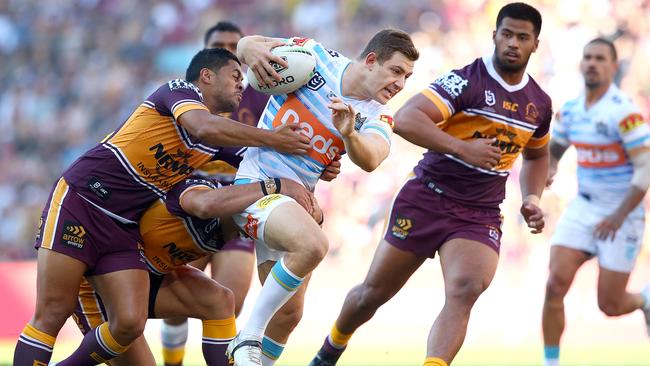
(71, 71)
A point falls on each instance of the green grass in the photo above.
(638, 355)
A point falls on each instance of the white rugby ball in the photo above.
(302, 64)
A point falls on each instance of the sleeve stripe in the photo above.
(372, 129)
(537, 142)
(439, 103)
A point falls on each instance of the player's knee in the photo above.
(127, 326)
(217, 303)
(370, 298)
(556, 287)
(315, 247)
(465, 290)
(52, 312)
(610, 307)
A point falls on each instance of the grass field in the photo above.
(504, 329)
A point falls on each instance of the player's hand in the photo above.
(332, 171)
(342, 116)
(288, 139)
(317, 212)
(608, 227)
(480, 152)
(259, 58)
(298, 192)
(533, 214)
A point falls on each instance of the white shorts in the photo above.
(253, 221)
(576, 230)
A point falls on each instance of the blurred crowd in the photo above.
(73, 70)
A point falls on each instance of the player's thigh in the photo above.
(564, 262)
(189, 292)
(620, 254)
(611, 286)
(126, 296)
(289, 228)
(468, 267)
(234, 269)
(390, 268)
(138, 353)
(57, 284)
(202, 262)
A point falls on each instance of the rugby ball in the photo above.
(302, 64)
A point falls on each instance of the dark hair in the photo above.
(222, 26)
(211, 58)
(608, 43)
(521, 11)
(388, 41)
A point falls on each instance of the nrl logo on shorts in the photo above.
(359, 121)
(401, 228)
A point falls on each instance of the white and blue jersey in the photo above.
(308, 107)
(605, 136)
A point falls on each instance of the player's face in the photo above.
(388, 79)
(228, 87)
(227, 40)
(597, 66)
(514, 42)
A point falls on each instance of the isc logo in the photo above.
(325, 144)
(600, 156)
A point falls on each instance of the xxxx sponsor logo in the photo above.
(73, 234)
(401, 227)
(266, 201)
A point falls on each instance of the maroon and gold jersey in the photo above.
(171, 236)
(477, 103)
(145, 157)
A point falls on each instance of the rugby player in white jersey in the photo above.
(606, 219)
(342, 110)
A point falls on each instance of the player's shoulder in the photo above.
(177, 86)
(539, 92)
(619, 103)
(455, 81)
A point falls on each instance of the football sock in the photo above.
(34, 348)
(173, 339)
(271, 351)
(551, 355)
(434, 361)
(97, 346)
(216, 336)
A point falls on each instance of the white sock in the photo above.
(278, 288)
(267, 361)
(551, 362)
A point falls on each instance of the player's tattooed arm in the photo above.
(221, 131)
(417, 122)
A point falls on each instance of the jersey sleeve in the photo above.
(175, 195)
(449, 91)
(542, 134)
(634, 132)
(381, 125)
(177, 97)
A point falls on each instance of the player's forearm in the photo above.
(414, 126)
(365, 151)
(534, 172)
(223, 131)
(223, 202)
(632, 199)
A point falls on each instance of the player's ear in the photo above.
(536, 44)
(370, 60)
(206, 75)
(494, 37)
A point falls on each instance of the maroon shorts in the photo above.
(421, 221)
(72, 226)
(243, 244)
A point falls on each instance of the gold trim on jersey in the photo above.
(439, 103)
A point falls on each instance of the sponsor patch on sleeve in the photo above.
(630, 122)
(388, 119)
